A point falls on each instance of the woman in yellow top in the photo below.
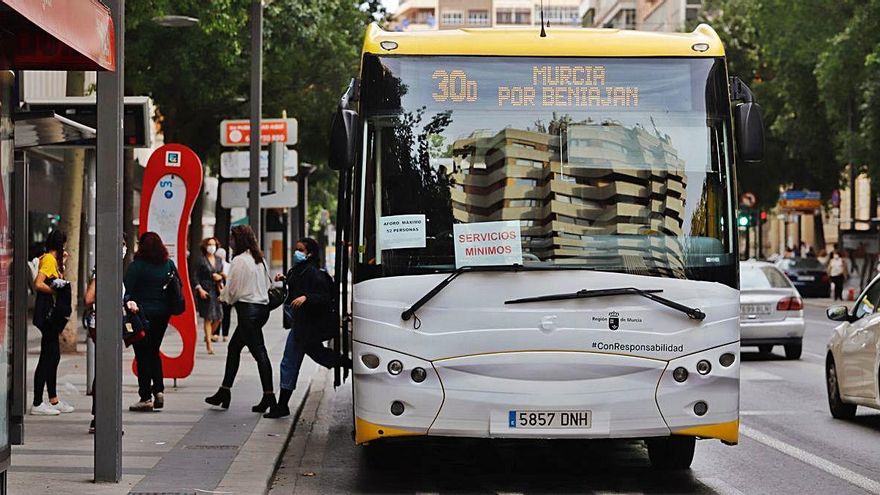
(50, 280)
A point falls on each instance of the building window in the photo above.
(523, 17)
(478, 17)
(559, 15)
(504, 16)
(452, 18)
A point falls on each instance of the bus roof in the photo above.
(560, 42)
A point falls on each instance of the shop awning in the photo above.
(57, 35)
(46, 128)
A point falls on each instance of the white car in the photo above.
(852, 365)
(771, 310)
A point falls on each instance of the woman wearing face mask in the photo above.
(208, 279)
(309, 293)
(838, 273)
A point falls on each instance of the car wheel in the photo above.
(839, 409)
(765, 349)
(671, 453)
(793, 351)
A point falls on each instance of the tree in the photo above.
(766, 45)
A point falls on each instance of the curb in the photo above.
(254, 467)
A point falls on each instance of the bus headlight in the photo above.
(727, 359)
(680, 374)
(395, 367)
(418, 375)
(704, 367)
(370, 361)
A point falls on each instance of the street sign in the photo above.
(237, 164)
(748, 200)
(800, 200)
(235, 195)
(238, 132)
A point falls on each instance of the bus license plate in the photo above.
(549, 419)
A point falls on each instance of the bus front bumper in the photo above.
(480, 396)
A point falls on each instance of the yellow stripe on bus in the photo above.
(726, 432)
(364, 431)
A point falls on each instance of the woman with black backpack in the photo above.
(309, 304)
(145, 282)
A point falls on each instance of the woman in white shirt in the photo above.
(247, 289)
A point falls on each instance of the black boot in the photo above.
(278, 411)
(221, 398)
(267, 402)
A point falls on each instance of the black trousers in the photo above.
(838, 287)
(149, 360)
(46, 373)
(225, 322)
(249, 333)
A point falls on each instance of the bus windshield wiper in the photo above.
(693, 313)
(410, 312)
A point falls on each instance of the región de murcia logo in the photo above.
(614, 320)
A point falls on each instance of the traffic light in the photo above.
(743, 219)
(763, 216)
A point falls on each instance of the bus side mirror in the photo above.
(343, 139)
(749, 132)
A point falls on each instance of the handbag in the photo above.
(89, 321)
(174, 292)
(134, 327)
(277, 295)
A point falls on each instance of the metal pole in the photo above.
(89, 243)
(21, 274)
(108, 205)
(256, 111)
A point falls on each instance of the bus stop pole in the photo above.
(108, 205)
(256, 114)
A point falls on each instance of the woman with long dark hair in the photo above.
(208, 280)
(48, 318)
(309, 295)
(145, 282)
(247, 289)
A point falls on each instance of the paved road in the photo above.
(789, 444)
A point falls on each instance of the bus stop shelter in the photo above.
(60, 35)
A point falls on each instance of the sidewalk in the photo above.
(186, 448)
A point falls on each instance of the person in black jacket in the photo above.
(309, 294)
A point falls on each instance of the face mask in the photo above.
(299, 257)
(212, 249)
(124, 251)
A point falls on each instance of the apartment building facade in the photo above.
(643, 15)
(418, 15)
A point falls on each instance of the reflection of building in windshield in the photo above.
(618, 196)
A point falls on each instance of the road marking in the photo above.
(756, 375)
(775, 413)
(829, 467)
(719, 486)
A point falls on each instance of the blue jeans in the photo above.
(294, 352)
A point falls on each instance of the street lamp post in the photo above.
(256, 111)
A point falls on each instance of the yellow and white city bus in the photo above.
(539, 235)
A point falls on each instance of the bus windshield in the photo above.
(611, 164)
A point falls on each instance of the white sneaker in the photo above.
(44, 409)
(62, 407)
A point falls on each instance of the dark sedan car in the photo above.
(808, 276)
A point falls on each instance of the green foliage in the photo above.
(790, 53)
(199, 75)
